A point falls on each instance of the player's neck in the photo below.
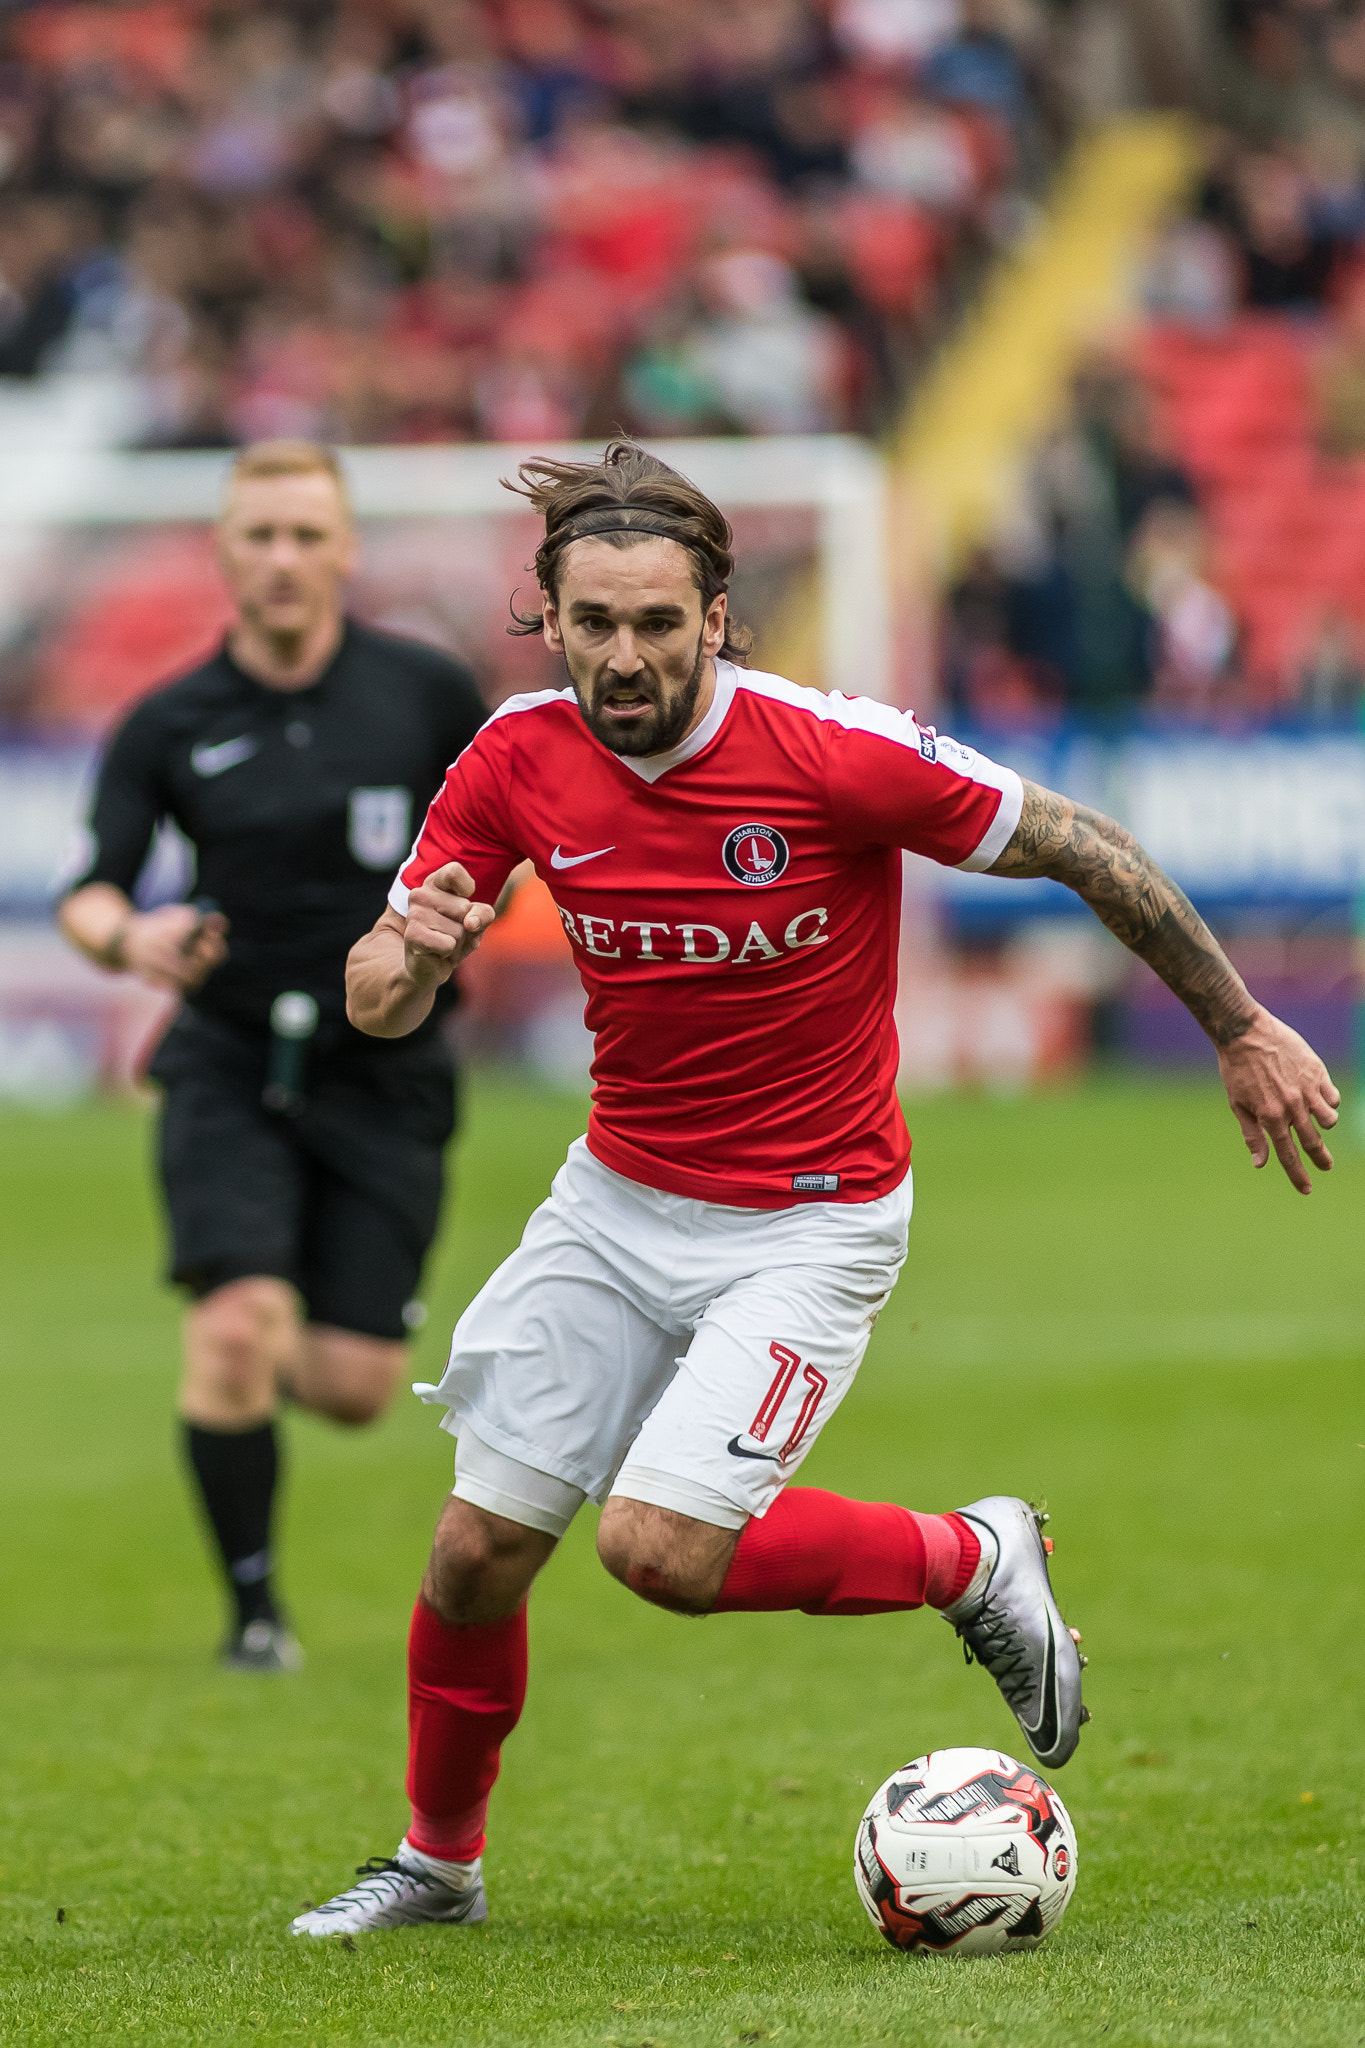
(283, 661)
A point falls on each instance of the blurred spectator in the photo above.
(1095, 481)
(1331, 677)
(49, 274)
(415, 219)
(993, 670)
(1196, 632)
(1286, 255)
(895, 32)
(916, 151)
(1191, 275)
(979, 66)
(759, 360)
(1341, 375)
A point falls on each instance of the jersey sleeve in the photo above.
(125, 809)
(894, 782)
(468, 820)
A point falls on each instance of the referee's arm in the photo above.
(175, 947)
(393, 973)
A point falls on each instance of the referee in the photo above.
(301, 1160)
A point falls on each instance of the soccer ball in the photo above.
(965, 1852)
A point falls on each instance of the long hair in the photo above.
(629, 493)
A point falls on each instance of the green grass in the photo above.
(1103, 1305)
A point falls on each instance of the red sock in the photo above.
(465, 1692)
(827, 1555)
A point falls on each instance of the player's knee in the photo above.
(232, 1339)
(481, 1565)
(635, 1550)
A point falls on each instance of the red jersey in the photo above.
(734, 911)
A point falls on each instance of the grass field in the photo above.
(1103, 1305)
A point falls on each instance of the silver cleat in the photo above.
(1008, 1622)
(396, 1892)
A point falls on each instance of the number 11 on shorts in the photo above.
(788, 1365)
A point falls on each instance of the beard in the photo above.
(674, 701)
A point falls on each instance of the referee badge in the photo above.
(380, 826)
(755, 854)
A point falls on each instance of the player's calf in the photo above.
(344, 1376)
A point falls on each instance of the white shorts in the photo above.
(674, 1351)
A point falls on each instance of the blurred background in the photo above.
(1024, 341)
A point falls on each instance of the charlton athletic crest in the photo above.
(755, 854)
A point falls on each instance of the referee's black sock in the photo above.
(237, 1471)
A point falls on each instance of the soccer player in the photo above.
(301, 1159)
(690, 1305)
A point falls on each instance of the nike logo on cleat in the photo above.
(225, 754)
(1043, 1734)
(737, 1450)
(576, 860)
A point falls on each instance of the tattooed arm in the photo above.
(1276, 1084)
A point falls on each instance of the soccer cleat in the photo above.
(262, 1646)
(394, 1892)
(1008, 1621)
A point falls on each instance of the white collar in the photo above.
(649, 767)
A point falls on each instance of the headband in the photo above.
(660, 533)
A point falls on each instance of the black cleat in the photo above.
(262, 1646)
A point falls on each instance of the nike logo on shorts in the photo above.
(226, 754)
(737, 1450)
(576, 860)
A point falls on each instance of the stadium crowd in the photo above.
(416, 220)
(525, 220)
(1193, 533)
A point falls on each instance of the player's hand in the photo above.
(444, 925)
(176, 947)
(1279, 1090)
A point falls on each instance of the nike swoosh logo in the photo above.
(1043, 1735)
(576, 860)
(226, 754)
(737, 1450)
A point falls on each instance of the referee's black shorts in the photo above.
(341, 1200)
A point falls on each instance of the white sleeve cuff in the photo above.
(1001, 828)
(398, 896)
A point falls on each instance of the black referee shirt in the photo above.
(299, 804)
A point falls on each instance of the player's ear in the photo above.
(549, 626)
(713, 626)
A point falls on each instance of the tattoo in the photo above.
(1141, 906)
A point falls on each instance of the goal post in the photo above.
(838, 478)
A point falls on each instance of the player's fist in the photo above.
(445, 925)
(1279, 1091)
(176, 947)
